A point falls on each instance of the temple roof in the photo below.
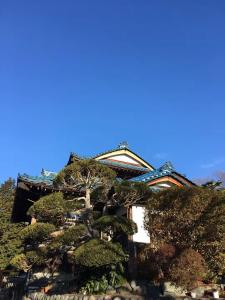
(46, 178)
(120, 159)
(166, 169)
(112, 156)
(122, 165)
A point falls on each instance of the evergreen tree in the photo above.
(10, 243)
(89, 245)
(85, 176)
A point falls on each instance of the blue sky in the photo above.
(83, 76)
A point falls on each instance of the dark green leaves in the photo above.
(49, 208)
(97, 253)
(36, 233)
(115, 223)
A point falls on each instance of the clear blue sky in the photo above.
(82, 76)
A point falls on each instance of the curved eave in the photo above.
(25, 183)
(32, 182)
(114, 164)
(185, 179)
(176, 180)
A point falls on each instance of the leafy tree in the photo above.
(10, 243)
(129, 193)
(189, 218)
(7, 191)
(51, 241)
(85, 176)
(123, 194)
(221, 177)
(212, 184)
(112, 224)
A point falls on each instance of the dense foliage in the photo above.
(188, 268)
(182, 267)
(10, 243)
(85, 176)
(128, 193)
(190, 218)
(50, 207)
(35, 233)
(88, 244)
(79, 230)
(113, 225)
(98, 253)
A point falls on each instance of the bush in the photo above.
(154, 264)
(73, 235)
(20, 262)
(107, 277)
(188, 268)
(116, 224)
(189, 218)
(49, 208)
(36, 233)
(98, 253)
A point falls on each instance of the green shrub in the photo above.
(98, 253)
(49, 208)
(36, 233)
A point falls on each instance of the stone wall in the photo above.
(42, 296)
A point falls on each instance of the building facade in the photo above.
(128, 166)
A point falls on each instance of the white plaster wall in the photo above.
(141, 236)
(124, 158)
(164, 185)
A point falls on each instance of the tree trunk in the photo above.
(88, 198)
(105, 209)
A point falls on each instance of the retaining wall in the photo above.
(41, 296)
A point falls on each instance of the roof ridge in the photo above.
(165, 169)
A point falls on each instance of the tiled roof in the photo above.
(45, 178)
(164, 170)
(123, 145)
(122, 165)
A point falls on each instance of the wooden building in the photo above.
(128, 166)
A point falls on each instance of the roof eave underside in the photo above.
(126, 150)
